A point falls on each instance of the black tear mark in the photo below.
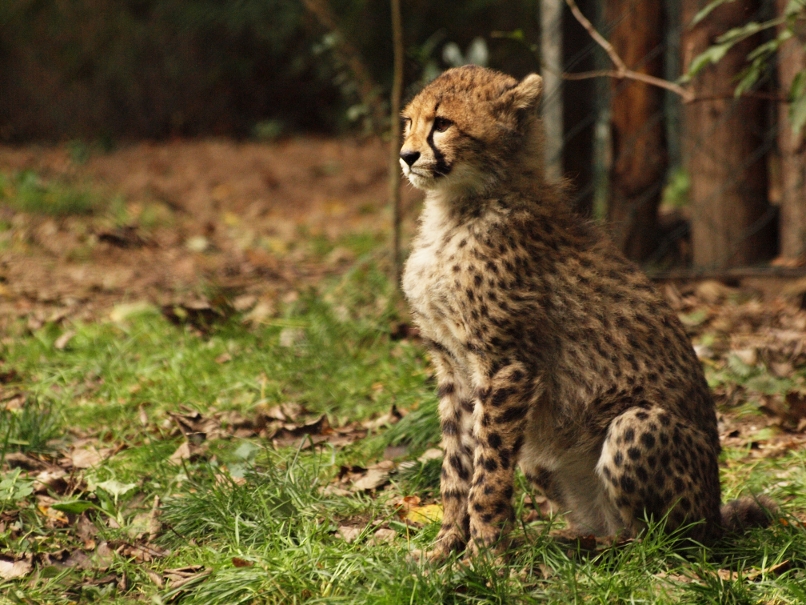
(442, 168)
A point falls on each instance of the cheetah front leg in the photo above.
(456, 420)
(503, 404)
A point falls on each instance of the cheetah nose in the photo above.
(409, 157)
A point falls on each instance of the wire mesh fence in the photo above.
(679, 181)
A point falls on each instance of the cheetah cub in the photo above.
(552, 351)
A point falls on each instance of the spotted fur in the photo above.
(552, 351)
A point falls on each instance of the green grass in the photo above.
(27, 191)
(258, 520)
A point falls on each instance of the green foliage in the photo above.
(29, 428)
(14, 488)
(419, 429)
(761, 56)
(28, 192)
(154, 68)
(676, 191)
(148, 68)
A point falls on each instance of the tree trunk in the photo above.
(638, 134)
(732, 221)
(579, 112)
(791, 60)
(551, 68)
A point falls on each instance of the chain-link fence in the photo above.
(699, 181)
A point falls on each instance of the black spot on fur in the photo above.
(500, 396)
(461, 470)
(453, 494)
(513, 414)
(449, 428)
(504, 458)
(446, 389)
(641, 473)
(627, 484)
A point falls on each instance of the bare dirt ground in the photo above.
(188, 215)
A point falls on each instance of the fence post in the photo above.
(551, 49)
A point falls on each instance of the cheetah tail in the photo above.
(749, 511)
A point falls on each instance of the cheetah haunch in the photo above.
(552, 351)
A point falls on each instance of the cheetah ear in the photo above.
(526, 94)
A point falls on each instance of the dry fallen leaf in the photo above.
(155, 578)
(421, 515)
(61, 343)
(50, 480)
(410, 511)
(433, 453)
(79, 559)
(103, 556)
(11, 569)
(56, 517)
(303, 435)
(142, 553)
(176, 578)
(349, 533)
(238, 562)
(373, 479)
(387, 419)
(86, 457)
(384, 534)
(187, 451)
(23, 461)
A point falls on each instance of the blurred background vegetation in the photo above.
(145, 68)
(713, 179)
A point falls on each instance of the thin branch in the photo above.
(621, 72)
(751, 94)
(611, 73)
(351, 58)
(583, 21)
(394, 163)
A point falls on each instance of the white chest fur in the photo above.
(428, 280)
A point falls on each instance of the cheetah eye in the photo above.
(404, 122)
(442, 124)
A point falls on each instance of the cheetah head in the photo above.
(462, 131)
